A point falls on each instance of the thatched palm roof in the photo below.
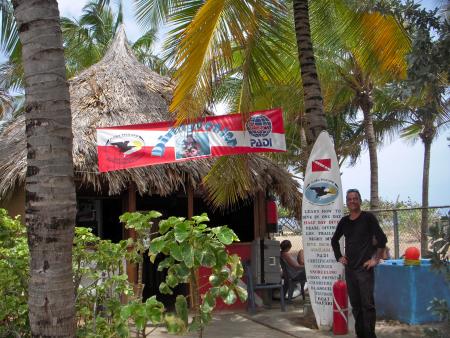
(119, 90)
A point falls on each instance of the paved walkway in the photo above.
(272, 323)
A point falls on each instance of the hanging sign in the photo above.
(162, 142)
(322, 208)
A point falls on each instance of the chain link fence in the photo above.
(401, 226)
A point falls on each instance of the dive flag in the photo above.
(163, 142)
(321, 165)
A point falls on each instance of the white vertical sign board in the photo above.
(321, 211)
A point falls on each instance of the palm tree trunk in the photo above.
(425, 203)
(372, 145)
(50, 193)
(314, 113)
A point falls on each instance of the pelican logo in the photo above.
(129, 146)
(321, 192)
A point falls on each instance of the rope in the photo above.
(339, 309)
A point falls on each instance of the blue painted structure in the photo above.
(404, 293)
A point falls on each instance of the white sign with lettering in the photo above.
(322, 209)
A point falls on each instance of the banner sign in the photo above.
(322, 208)
(162, 142)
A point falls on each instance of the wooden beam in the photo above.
(132, 269)
(261, 197)
(256, 217)
(190, 201)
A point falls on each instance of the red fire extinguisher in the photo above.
(340, 308)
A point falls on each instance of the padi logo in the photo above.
(260, 142)
(129, 146)
(259, 126)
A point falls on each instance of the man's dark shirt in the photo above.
(358, 238)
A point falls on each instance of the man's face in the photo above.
(353, 202)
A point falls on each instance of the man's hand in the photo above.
(371, 263)
(343, 260)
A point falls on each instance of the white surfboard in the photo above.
(322, 209)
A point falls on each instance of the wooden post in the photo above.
(190, 201)
(256, 218)
(132, 269)
(262, 213)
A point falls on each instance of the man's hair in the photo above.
(356, 191)
(285, 245)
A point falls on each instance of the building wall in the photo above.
(16, 204)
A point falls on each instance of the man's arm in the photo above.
(380, 239)
(335, 240)
(379, 235)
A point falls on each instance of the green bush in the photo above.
(13, 277)
(102, 285)
(188, 245)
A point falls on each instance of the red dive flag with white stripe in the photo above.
(162, 142)
(323, 164)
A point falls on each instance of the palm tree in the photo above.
(11, 72)
(86, 40)
(206, 33)
(49, 188)
(360, 74)
(314, 110)
(425, 100)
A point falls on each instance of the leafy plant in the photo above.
(14, 274)
(440, 245)
(100, 283)
(187, 246)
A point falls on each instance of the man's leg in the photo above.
(354, 295)
(366, 285)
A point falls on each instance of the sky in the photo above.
(400, 163)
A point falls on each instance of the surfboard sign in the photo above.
(322, 209)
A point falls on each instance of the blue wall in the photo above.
(404, 292)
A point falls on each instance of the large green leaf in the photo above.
(182, 231)
(230, 297)
(225, 235)
(175, 251)
(208, 258)
(181, 308)
(188, 254)
(157, 245)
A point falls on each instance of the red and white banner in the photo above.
(155, 143)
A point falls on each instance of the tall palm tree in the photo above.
(425, 103)
(205, 34)
(361, 73)
(86, 39)
(313, 100)
(49, 187)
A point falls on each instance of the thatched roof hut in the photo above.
(119, 90)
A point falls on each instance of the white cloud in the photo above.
(70, 8)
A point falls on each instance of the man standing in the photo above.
(359, 229)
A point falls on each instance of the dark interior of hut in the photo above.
(102, 215)
(240, 219)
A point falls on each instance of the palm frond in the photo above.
(228, 181)
(152, 13)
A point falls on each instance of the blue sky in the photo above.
(400, 163)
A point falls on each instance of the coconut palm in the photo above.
(86, 40)
(206, 33)
(50, 191)
(10, 72)
(360, 74)
(425, 100)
